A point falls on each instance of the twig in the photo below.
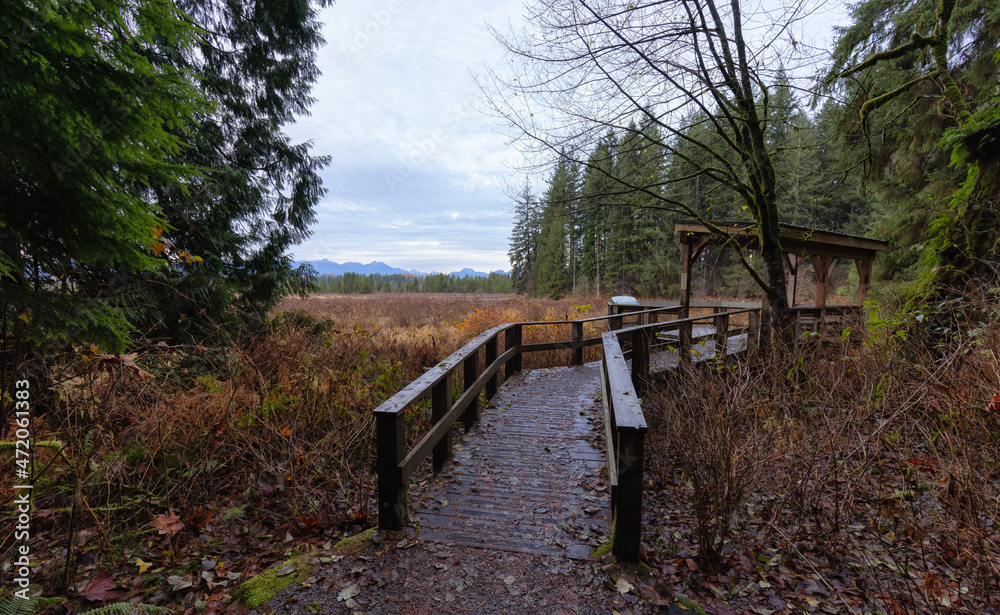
(833, 592)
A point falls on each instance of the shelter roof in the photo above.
(800, 240)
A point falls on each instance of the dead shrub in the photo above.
(875, 470)
(701, 423)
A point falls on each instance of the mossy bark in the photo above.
(966, 252)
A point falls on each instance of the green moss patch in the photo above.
(352, 545)
(258, 591)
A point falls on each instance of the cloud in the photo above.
(416, 173)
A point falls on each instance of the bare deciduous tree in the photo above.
(586, 67)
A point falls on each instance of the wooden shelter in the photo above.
(822, 247)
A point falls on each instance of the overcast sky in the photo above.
(417, 174)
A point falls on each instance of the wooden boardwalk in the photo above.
(531, 474)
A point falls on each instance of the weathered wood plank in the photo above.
(443, 426)
(526, 477)
(412, 392)
(628, 414)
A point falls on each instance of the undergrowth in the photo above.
(172, 456)
(871, 469)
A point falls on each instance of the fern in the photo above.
(13, 605)
(234, 513)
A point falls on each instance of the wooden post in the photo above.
(578, 337)
(721, 322)
(791, 277)
(440, 404)
(641, 339)
(470, 368)
(864, 278)
(491, 356)
(753, 329)
(684, 346)
(821, 265)
(628, 499)
(685, 277)
(390, 440)
(615, 323)
(512, 338)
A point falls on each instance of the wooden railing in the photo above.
(481, 362)
(622, 385)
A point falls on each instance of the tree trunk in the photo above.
(967, 250)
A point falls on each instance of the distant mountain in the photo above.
(468, 273)
(325, 266)
(328, 267)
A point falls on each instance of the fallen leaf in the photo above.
(286, 570)
(101, 588)
(349, 592)
(168, 523)
(179, 582)
(623, 586)
(143, 566)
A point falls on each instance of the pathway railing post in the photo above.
(390, 442)
(578, 337)
(721, 323)
(440, 404)
(628, 514)
(684, 343)
(490, 352)
(470, 369)
(641, 340)
(614, 323)
(512, 338)
(753, 328)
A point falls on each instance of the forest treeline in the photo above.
(350, 283)
(884, 149)
(585, 233)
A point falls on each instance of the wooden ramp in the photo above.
(530, 476)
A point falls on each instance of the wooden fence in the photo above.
(635, 336)
(481, 361)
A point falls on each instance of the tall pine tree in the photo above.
(256, 63)
(93, 123)
(524, 240)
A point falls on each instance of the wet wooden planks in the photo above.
(531, 475)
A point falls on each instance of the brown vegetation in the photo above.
(179, 455)
(853, 479)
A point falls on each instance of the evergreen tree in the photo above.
(523, 241)
(596, 194)
(922, 75)
(256, 63)
(551, 275)
(92, 124)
